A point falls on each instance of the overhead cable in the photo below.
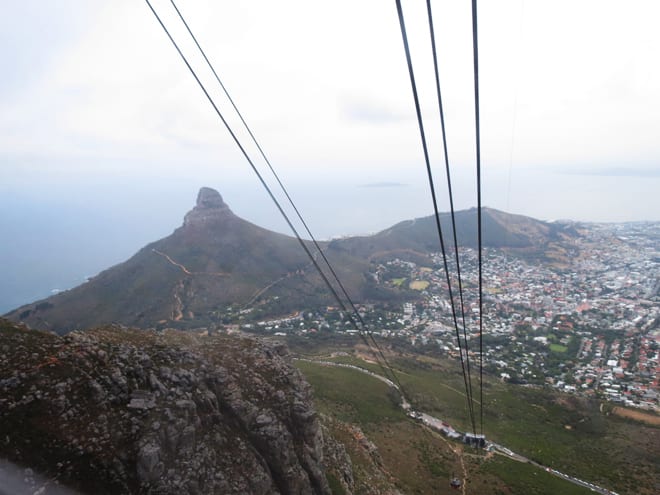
(363, 329)
(475, 48)
(283, 188)
(435, 209)
(449, 188)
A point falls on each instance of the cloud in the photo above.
(613, 172)
(367, 110)
(383, 184)
(106, 93)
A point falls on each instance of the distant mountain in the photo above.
(216, 259)
(416, 238)
(213, 260)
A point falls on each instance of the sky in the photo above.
(105, 137)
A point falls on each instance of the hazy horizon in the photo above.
(57, 244)
(106, 139)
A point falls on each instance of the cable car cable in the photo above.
(435, 204)
(278, 205)
(449, 187)
(475, 48)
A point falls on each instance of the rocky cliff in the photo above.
(114, 410)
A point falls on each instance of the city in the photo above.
(587, 324)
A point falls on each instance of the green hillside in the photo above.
(563, 432)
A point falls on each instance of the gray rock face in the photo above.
(209, 207)
(209, 198)
(115, 410)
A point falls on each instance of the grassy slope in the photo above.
(525, 478)
(560, 431)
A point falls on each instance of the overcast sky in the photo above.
(105, 137)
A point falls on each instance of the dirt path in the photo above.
(184, 269)
(645, 417)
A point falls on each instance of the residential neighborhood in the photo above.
(587, 324)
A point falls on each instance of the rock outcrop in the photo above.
(114, 410)
(210, 206)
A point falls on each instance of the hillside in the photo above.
(575, 435)
(416, 238)
(115, 410)
(217, 260)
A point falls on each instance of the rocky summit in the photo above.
(210, 206)
(115, 410)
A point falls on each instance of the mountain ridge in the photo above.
(216, 259)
